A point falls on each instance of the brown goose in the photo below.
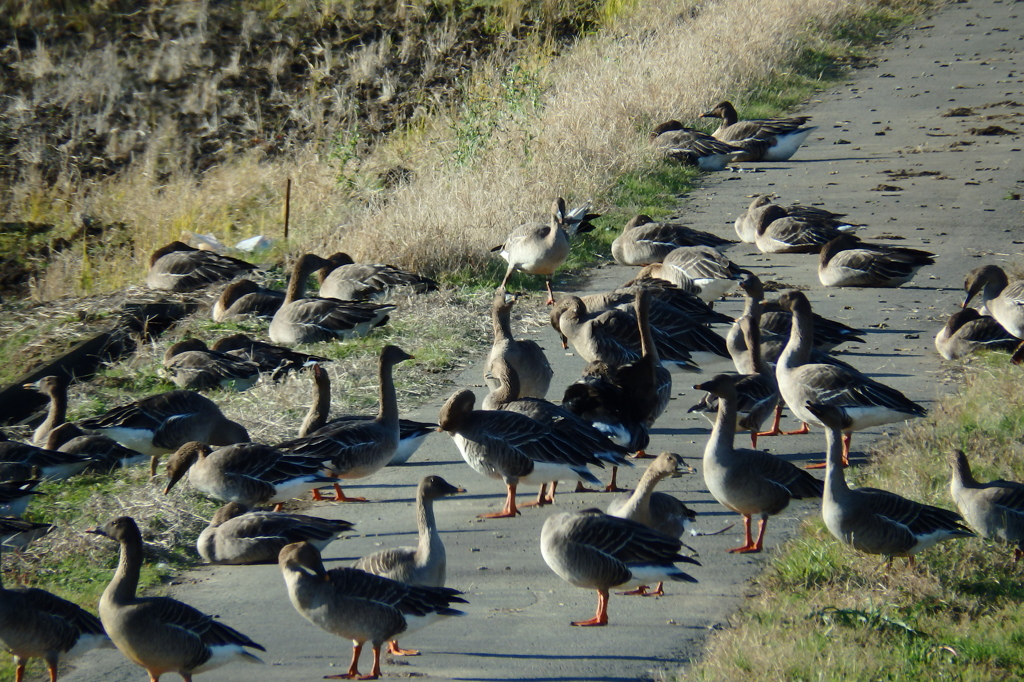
(309, 320)
(744, 224)
(236, 535)
(15, 496)
(524, 355)
(274, 360)
(1001, 298)
(541, 248)
(21, 460)
(845, 261)
(252, 474)
(876, 521)
(994, 509)
(358, 448)
(692, 147)
(593, 550)
(704, 267)
(659, 511)
(644, 241)
(56, 389)
(160, 634)
(749, 482)
(862, 401)
(37, 624)
(776, 231)
(425, 564)
(18, 533)
(346, 280)
(968, 331)
(179, 267)
(360, 606)
(161, 423)
(787, 133)
(244, 298)
(191, 365)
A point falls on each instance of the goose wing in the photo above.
(797, 482)
(409, 599)
(623, 539)
(919, 519)
(193, 632)
(338, 441)
(840, 387)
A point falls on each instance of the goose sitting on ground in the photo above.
(274, 360)
(191, 365)
(161, 423)
(846, 261)
(692, 147)
(350, 281)
(17, 534)
(744, 224)
(749, 482)
(593, 550)
(425, 564)
(1001, 298)
(541, 248)
(787, 133)
(56, 389)
(862, 401)
(244, 298)
(21, 460)
(876, 521)
(236, 535)
(517, 449)
(775, 231)
(358, 605)
(994, 509)
(252, 474)
(302, 319)
(524, 356)
(179, 267)
(357, 448)
(15, 496)
(161, 634)
(968, 331)
(644, 241)
(713, 274)
(35, 623)
(659, 511)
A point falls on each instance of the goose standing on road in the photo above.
(160, 634)
(524, 356)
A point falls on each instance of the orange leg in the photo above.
(278, 506)
(551, 294)
(749, 545)
(353, 668)
(612, 486)
(659, 591)
(543, 499)
(580, 488)
(19, 672)
(847, 438)
(339, 496)
(775, 430)
(602, 612)
(640, 454)
(509, 510)
(51, 667)
(806, 428)
(396, 650)
(638, 592)
(753, 439)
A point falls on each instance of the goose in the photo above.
(161, 423)
(18, 533)
(713, 274)
(593, 550)
(425, 564)
(21, 460)
(248, 473)
(191, 365)
(346, 280)
(747, 232)
(863, 402)
(524, 355)
(238, 536)
(995, 509)
(16, 495)
(659, 511)
(572, 427)
(845, 261)
(516, 449)
(161, 634)
(35, 623)
(968, 331)
(612, 336)
(245, 298)
(776, 231)
(179, 267)
(274, 360)
(358, 605)
(693, 147)
(539, 248)
(309, 320)
(644, 241)
(757, 391)
(55, 388)
(358, 448)
(749, 482)
(787, 133)
(1001, 298)
(876, 521)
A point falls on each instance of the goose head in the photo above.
(721, 385)
(666, 127)
(989, 278)
(794, 301)
(170, 248)
(670, 465)
(435, 487)
(637, 221)
(752, 287)
(121, 529)
(184, 346)
(455, 410)
(227, 512)
(182, 460)
(302, 557)
(392, 355)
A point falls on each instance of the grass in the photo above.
(827, 612)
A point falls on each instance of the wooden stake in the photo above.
(287, 205)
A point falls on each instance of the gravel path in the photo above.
(883, 129)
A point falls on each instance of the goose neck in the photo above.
(502, 323)
(55, 415)
(720, 444)
(798, 349)
(297, 284)
(125, 583)
(388, 399)
(319, 410)
(835, 479)
(429, 539)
